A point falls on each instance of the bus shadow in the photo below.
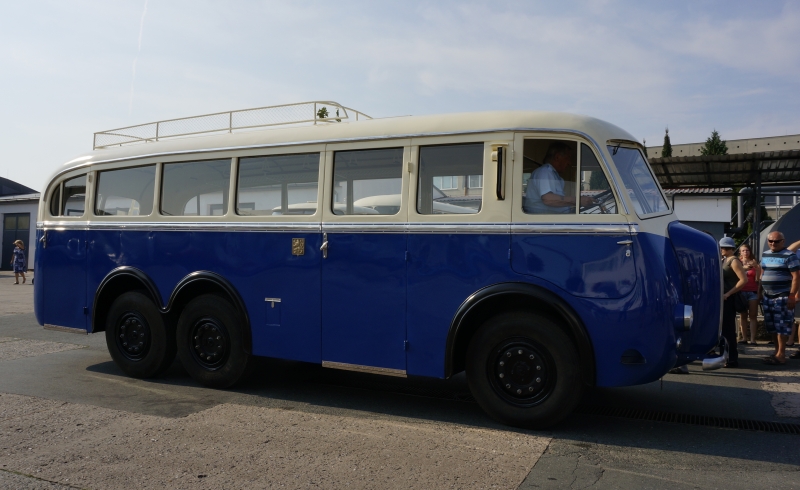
(311, 388)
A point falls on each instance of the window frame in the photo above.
(519, 216)
(203, 158)
(59, 187)
(156, 194)
(639, 148)
(327, 207)
(318, 149)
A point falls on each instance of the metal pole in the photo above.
(314, 117)
(157, 131)
(757, 216)
(230, 122)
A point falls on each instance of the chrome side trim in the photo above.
(58, 328)
(365, 369)
(459, 228)
(311, 227)
(600, 229)
(364, 227)
(308, 227)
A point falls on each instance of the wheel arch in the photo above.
(206, 282)
(118, 281)
(482, 304)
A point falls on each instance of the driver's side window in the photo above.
(594, 184)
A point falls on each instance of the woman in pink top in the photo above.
(750, 290)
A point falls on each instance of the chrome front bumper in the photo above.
(713, 363)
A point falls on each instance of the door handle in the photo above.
(43, 239)
(324, 247)
(625, 242)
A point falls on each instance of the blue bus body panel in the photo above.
(364, 299)
(696, 269)
(259, 265)
(591, 266)
(361, 304)
(63, 265)
(443, 271)
(38, 285)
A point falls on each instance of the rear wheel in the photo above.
(524, 370)
(139, 340)
(209, 339)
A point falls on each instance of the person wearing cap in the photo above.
(780, 283)
(18, 261)
(734, 279)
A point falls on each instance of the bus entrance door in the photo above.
(63, 267)
(364, 302)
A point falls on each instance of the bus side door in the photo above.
(364, 258)
(63, 267)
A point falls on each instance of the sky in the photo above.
(69, 68)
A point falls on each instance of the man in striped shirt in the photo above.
(780, 282)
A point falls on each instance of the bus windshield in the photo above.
(638, 180)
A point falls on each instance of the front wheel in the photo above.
(209, 339)
(524, 370)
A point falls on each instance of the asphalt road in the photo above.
(70, 419)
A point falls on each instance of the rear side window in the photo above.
(638, 180)
(55, 202)
(450, 179)
(195, 188)
(367, 181)
(126, 192)
(278, 185)
(73, 201)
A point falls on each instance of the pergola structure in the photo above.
(754, 170)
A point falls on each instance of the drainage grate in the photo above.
(682, 418)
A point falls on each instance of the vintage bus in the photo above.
(533, 250)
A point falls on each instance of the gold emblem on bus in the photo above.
(298, 246)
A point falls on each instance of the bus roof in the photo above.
(363, 130)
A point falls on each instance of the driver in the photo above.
(545, 192)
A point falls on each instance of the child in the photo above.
(18, 261)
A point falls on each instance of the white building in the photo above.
(18, 210)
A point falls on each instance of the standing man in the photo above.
(780, 283)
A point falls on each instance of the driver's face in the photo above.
(560, 162)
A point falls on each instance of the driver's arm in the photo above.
(555, 200)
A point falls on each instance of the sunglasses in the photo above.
(775, 241)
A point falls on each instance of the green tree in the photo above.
(597, 181)
(322, 113)
(714, 145)
(666, 150)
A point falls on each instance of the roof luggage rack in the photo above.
(313, 112)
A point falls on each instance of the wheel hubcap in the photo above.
(210, 343)
(521, 372)
(133, 337)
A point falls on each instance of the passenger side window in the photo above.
(549, 183)
(594, 185)
(55, 201)
(278, 185)
(367, 181)
(73, 203)
(195, 188)
(450, 179)
(126, 192)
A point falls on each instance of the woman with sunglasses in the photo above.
(734, 279)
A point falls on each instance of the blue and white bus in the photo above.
(410, 246)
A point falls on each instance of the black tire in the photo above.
(209, 337)
(524, 370)
(139, 340)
